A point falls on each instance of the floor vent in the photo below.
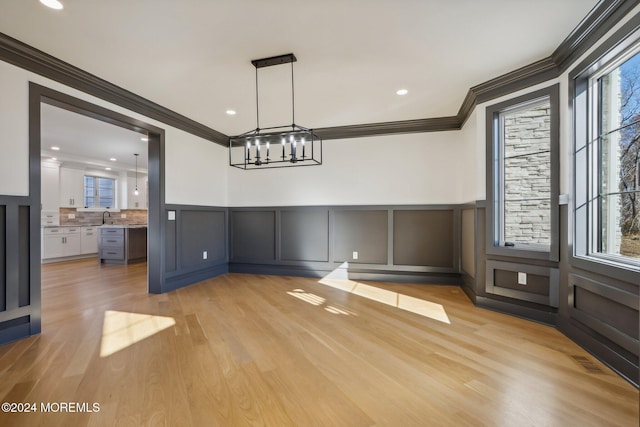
(587, 364)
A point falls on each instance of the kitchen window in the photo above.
(522, 187)
(99, 192)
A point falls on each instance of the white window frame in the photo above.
(96, 196)
(581, 256)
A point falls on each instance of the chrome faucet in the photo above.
(103, 219)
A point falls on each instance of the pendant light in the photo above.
(136, 192)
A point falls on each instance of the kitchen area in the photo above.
(93, 195)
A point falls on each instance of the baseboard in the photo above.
(352, 274)
(15, 333)
(547, 317)
(622, 366)
(180, 280)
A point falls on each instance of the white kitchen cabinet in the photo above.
(71, 188)
(60, 242)
(50, 186)
(89, 240)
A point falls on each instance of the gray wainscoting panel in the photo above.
(363, 231)
(202, 231)
(607, 310)
(541, 288)
(304, 235)
(254, 234)
(536, 284)
(171, 251)
(3, 259)
(423, 237)
(467, 245)
(24, 262)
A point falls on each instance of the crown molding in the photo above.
(602, 18)
(594, 26)
(24, 56)
(436, 124)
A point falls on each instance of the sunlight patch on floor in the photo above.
(316, 300)
(121, 329)
(339, 279)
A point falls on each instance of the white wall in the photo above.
(14, 132)
(195, 168)
(421, 168)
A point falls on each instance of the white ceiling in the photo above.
(193, 56)
(84, 140)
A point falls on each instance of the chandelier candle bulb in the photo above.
(267, 150)
(302, 142)
(248, 151)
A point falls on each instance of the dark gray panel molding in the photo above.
(253, 234)
(3, 260)
(362, 231)
(195, 229)
(424, 237)
(611, 312)
(19, 268)
(600, 20)
(304, 235)
(521, 292)
(22, 55)
(202, 231)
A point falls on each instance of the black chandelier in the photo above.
(279, 146)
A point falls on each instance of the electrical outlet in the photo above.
(204, 255)
(123, 215)
(522, 278)
(71, 216)
(355, 255)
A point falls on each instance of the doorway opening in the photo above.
(44, 98)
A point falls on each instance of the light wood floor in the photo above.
(278, 351)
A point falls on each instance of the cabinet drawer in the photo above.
(72, 230)
(52, 231)
(112, 231)
(112, 241)
(112, 253)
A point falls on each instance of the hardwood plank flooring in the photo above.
(283, 351)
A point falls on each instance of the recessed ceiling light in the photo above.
(113, 159)
(231, 112)
(108, 169)
(55, 148)
(144, 138)
(402, 92)
(53, 4)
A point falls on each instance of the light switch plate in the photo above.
(172, 215)
(522, 278)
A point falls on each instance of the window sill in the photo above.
(607, 267)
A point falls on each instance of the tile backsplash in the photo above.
(133, 216)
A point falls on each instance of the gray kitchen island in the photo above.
(122, 244)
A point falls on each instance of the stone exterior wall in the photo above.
(527, 175)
